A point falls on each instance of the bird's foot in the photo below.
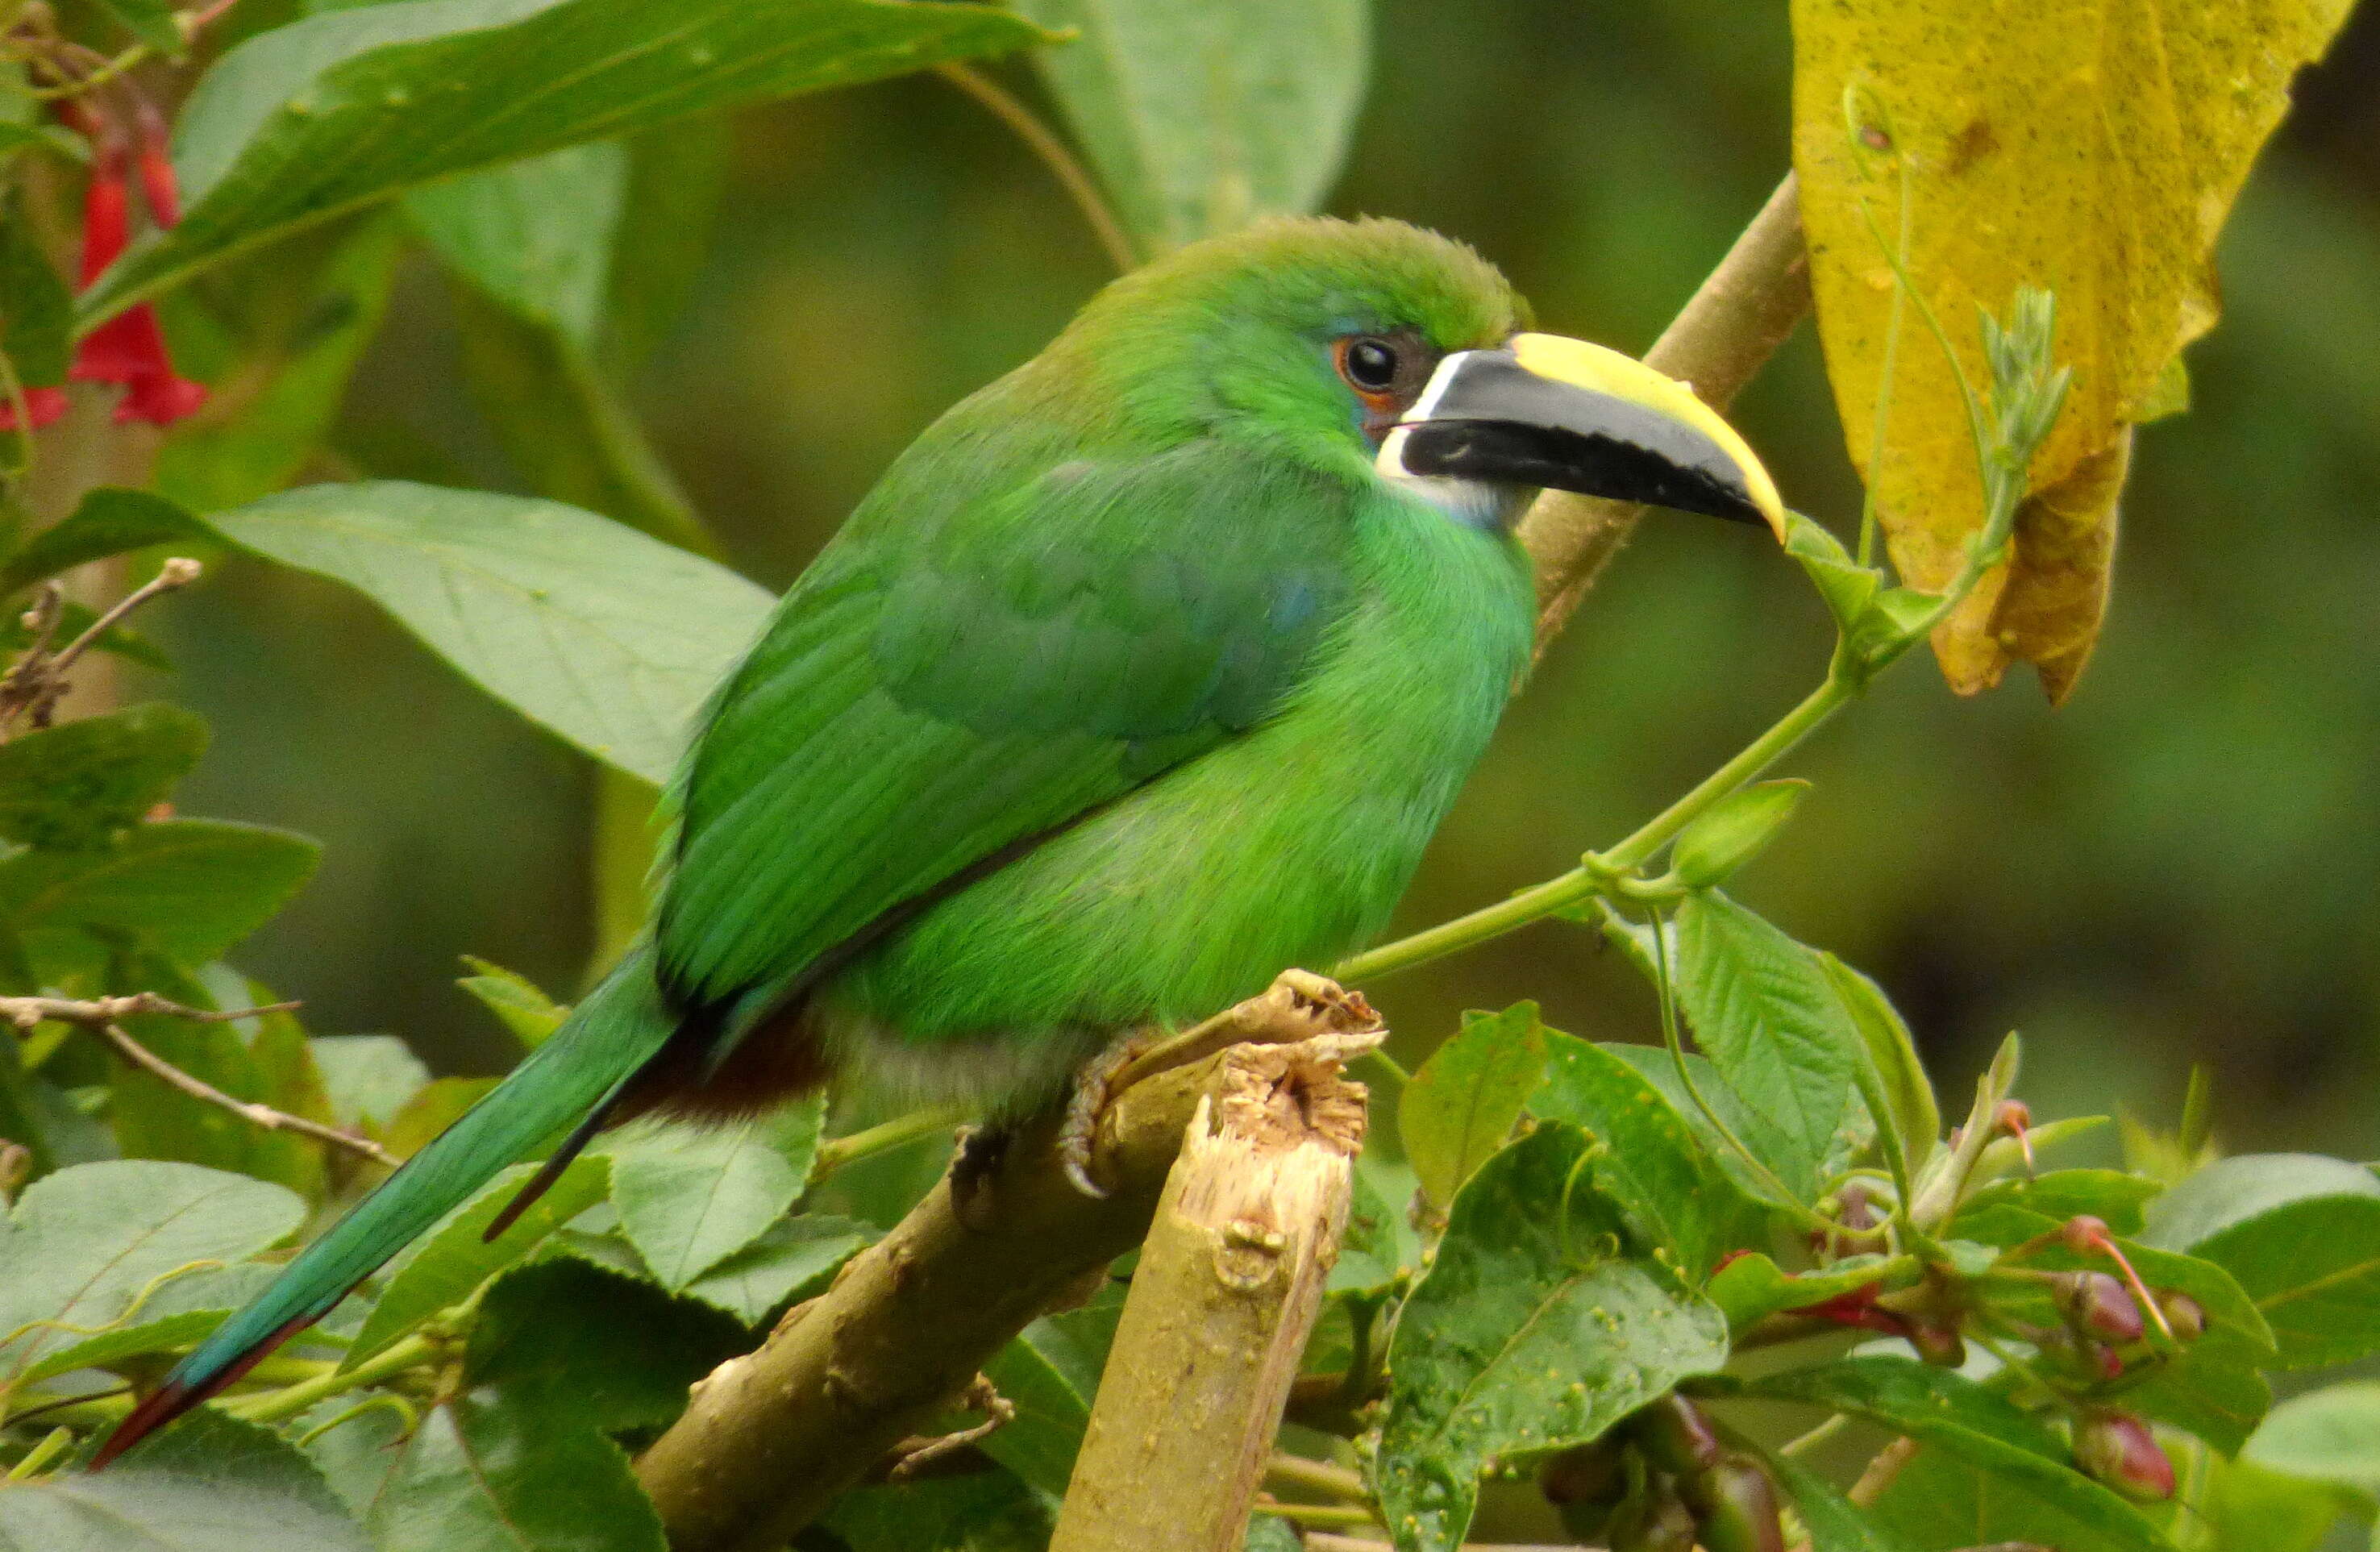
(1299, 1005)
(1096, 1087)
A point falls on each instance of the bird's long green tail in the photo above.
(621, 1024)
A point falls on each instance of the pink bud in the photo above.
(2119, 1449)
(2098, 1305)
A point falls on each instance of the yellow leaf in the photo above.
(2089, 147)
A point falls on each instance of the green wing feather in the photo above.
(994, 647)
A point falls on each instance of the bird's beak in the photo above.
(1563, 415)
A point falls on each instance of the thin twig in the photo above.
(100, 1015)
(1043, 142)
(36, 682)
(27, 1011)
(1880, 1472)
(982, 1396)
(179, 571)
(264, 1116)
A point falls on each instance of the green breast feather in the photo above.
(976, 662)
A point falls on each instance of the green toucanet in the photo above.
(1142, 676)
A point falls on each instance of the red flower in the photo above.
(129, 348)
(44, 405)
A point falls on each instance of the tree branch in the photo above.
(1229, 1282)
(1718, 343)
(100, 1015)
(770, 1438)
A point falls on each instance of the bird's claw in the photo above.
(1299, 1005)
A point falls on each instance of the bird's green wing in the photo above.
(983, 656)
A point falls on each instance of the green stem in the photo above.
(273, 1405)
(1320, 1514)
(41, 1454)
(1316, 1476)
(883, 1137)
(1581, 884)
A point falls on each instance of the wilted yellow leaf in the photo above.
(2089, 147)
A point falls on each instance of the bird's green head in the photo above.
(1375, 350)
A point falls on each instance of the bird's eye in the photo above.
(1370, 365)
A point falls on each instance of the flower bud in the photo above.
(1939, 1345)
(2096, 1304)
(1591, 1474)
(1737, 828)
(1674, 1436)
(2119, 1449)
(2185, 1314)
(2085, 1234)
(1735, 1507)
(1654, 1520)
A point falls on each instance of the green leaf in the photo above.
(1380, 1240)
(790, 1258)
(1270, 1533)
(984, 1511)
(284, 389)
(82, 1244)
(690, 1196)
(1463, 1105)
(74, 785)
(210, 1484)
(1903, 1093)
(1655, 1066)
(2234, 1192)
(1847, 585)
(2331, 1435)
(608, 638)
(1051, 1373)
(36, 310)
(441, 1267)
(506, 1470)
(527, 1010)
(1941, 1502)
(152, 22)
(1767, 1014)
(1676, 1197)
(2253, 1509)
(534, 235)
(106, 522)
(619, 1352)
(2302, 1234)
(1751, 1287)
(1963, 1419)
(2111, 1196)
(189, 888)
(676, 177)
(1735, 829)
(1202, 118)
(1530, 1332)
(369, 1078)
(340, 109)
